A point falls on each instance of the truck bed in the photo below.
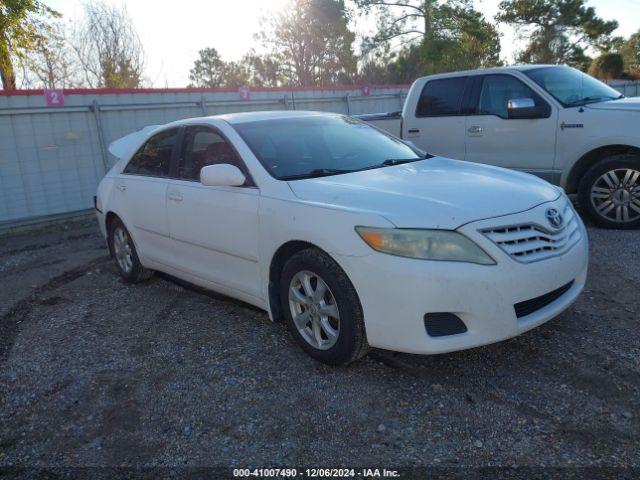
(389, 122)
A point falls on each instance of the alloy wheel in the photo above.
(314, 310)
(615, 195)
(122, 249)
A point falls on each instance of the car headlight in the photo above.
(425, 244)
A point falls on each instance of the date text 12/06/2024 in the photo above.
(316, 473)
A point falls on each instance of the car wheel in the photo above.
(322, 308)
(124, 254)
(609, 193)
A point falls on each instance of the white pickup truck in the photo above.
(552, 121)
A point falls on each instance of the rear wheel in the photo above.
(322, 308)
(609, 193)
(124, 254)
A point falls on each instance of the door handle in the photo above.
(122, 187)
(175, 196)
(475, 130)
(413, 132)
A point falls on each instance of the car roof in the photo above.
(480, 71)
(245, 117)
(235, 119)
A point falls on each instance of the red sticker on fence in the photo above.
(245, 93)
(54, 98)
(366, 90)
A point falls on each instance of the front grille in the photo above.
(530, 306)
(532, 242)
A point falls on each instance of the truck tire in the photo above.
(609, 193)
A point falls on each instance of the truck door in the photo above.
(494, 137)
(437, 124)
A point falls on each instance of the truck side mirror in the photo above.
(522, 108)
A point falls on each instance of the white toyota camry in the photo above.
(351, 236)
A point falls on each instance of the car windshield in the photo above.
(322, 145)
(571, 87)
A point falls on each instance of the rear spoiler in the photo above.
(127, 145)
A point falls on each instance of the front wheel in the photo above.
(322, 308)
(609, 193)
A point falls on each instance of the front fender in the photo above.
(328, 228)
(592, 144)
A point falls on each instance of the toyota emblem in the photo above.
(554, 217)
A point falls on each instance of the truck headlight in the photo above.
(425, 244)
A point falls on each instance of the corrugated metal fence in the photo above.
(629, 88)
(52, 157)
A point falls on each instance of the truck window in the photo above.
(571, 87)
(441, 97)
(496, 92)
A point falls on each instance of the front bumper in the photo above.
(396, 292)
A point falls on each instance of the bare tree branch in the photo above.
(108, 48)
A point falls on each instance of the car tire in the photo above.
(328, 322)
(124, 254)
(609, 193)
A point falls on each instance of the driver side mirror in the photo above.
(521, 108)
(222, 174)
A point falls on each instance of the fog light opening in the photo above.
(443, 324)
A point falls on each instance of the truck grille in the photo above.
(532, 242)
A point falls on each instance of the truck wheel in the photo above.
(609, 193)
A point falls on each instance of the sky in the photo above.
(173, 32)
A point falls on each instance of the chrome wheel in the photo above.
(314, 310)
(615, 195)
(122, 249)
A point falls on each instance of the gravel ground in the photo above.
(95, 372)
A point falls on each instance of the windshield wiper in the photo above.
(584, 101)
(325, 172)
(389, 162)
(318, 172)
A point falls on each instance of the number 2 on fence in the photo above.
(54, 98)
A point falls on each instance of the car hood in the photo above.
(627, 104)
(432, 193)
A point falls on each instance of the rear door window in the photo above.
(153, 159)
(442, 97)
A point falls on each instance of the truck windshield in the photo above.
(322, 145)
(571, 87)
